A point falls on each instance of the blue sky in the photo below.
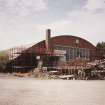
(23, 22)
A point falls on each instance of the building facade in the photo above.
(52, 50)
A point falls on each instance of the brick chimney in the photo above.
(48, 35)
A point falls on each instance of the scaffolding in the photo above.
(13, 54)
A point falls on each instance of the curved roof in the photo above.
(70, 40)
(64, 40)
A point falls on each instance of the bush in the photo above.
(2, 67)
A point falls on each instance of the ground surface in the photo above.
(29, 91)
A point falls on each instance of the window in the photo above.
(73, 52)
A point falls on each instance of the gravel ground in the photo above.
(29, 91)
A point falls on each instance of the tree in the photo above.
(101, 49)
(3, 60)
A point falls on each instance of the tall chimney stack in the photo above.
(48, 35)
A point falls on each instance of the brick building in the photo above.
(53, 50)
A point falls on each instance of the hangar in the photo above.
(53, 51)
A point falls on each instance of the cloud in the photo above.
(16, 24)
(84, 22)
(25, 21)
(95, 5)
(22, 7)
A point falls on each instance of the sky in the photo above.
(23, 22)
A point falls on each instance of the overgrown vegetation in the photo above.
(3, 60)
(101, 49)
